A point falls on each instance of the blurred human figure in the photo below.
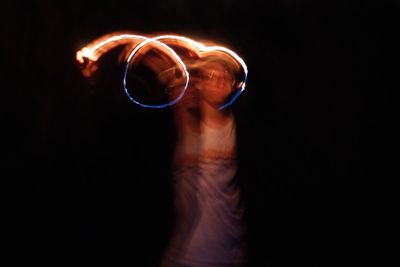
(208, 228)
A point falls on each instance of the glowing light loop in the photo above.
(91, 54)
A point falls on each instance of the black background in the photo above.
(312, 128)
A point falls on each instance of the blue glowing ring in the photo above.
(132, 54)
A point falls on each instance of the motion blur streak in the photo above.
(173, 45)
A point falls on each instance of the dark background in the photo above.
(313, 127)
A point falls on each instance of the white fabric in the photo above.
(208, 231)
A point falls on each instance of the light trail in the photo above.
(89, 55)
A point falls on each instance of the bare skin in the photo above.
(207, 91)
